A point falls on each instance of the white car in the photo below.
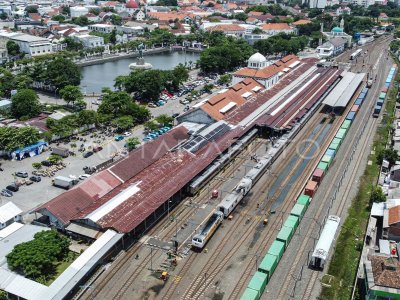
(72, 177)
(127, 133)
(84, 176)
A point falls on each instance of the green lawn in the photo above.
(61, 266)
(344, 264)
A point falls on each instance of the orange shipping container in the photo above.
(318, 175)
(311, 188)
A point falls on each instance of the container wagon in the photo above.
(321, 251)
(258, 282)
(268, 265)
(377, 110)
(311, 188)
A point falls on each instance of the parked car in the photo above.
(35, 178)
(21, 174)
(12, 187)
(127, 133)
(97, 149)
(119, 138)
(84, 176)
(28, 182)
(147, 138)
(87, 154)
(46, 163)
(152, 105)
(175, 115)
(6, 193)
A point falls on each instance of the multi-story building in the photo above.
(78, 11)
(89, 41)
(29, 44)
(103, 28)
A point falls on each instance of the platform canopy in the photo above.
(344, 90)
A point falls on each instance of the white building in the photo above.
(364, 3)
(89, 41)
(139, 15)
(78, 11)
(103, 28)
(9, 213)
(30, 44)
(332, 48)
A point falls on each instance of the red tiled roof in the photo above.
(276, 26)
(301, 22)
(226, 27)
(150, 152)
(394, 215)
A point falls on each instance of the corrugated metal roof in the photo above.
(10, 229)
(344, 90)
(8, 211)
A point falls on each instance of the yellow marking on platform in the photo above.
(177, 279)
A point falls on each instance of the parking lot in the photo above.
(28, 197)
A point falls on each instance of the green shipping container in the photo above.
(250, 294)
(258, 282)
(298, 210)
(346, 124)
(292, 221)
(327, 159)
(285, 235)
(334, 146)
(268, 265)
(323, 166)
(304, 200)
(277, 248)
(337, 141)
(382, 95)
(341, 133)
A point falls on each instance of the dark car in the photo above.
(35, 178)
(6, 193)
(175, 115)
(12, 187)
(21, 174)
(97, 149)
(87, 154)
(46, 163)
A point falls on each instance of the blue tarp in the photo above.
(30, 151)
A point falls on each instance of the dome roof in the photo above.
(257, 58)
(131, 4)
(337, 29)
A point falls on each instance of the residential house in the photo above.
(78, 11)
(139, 15)
(89, 41)
(92, 17)
(131, 7)
(102, 28)
(229, 29)
(343, 10)
(276, 28)
(332, 48)
(383, 17)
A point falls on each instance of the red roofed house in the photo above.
(391, 223)
(229, 29)
(131, 6)
(301, 22)
(276, 28)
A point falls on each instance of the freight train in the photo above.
(382, 96)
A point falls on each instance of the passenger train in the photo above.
(355, 54)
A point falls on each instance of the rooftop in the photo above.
(388, 277)
(8, 211)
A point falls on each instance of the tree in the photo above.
(22, 81)
(58, 18)
(116, 20)
(123, 123)
(66, 10)
(62, 72)
(71, 94)
(32, 9)
(3, 16)
(131, 143)
(180, 74)
(377, 195)
(87, 117)
(12, 48)
(73, 45)
(12, 138)
(241, 16)
(225, 79)
(36, 258)
(151, 125)
(257, 31)
(6, 82)
(113, 37)
(81, 21)
(164, 120)
(388, 154)
(25, 104)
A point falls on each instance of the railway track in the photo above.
(199, 286)
(306, 240)
(183, 214)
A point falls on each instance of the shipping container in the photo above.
(337, 140)
(355, 108)
(330, 152)
(277, 248)
(318, 175)
(323, 166)
(304, 200)
(346, 124)
(359, 101)
(268, 265)
(250, 294)
(298, 210)
(387, 84)
(311, 188)
(258, 282)
(384, 89)
(362, 95)
(341, 134)
(350, 116)
(365, 90)
(292, 221)
(285, 235)
(327, 159)
(334, 146)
